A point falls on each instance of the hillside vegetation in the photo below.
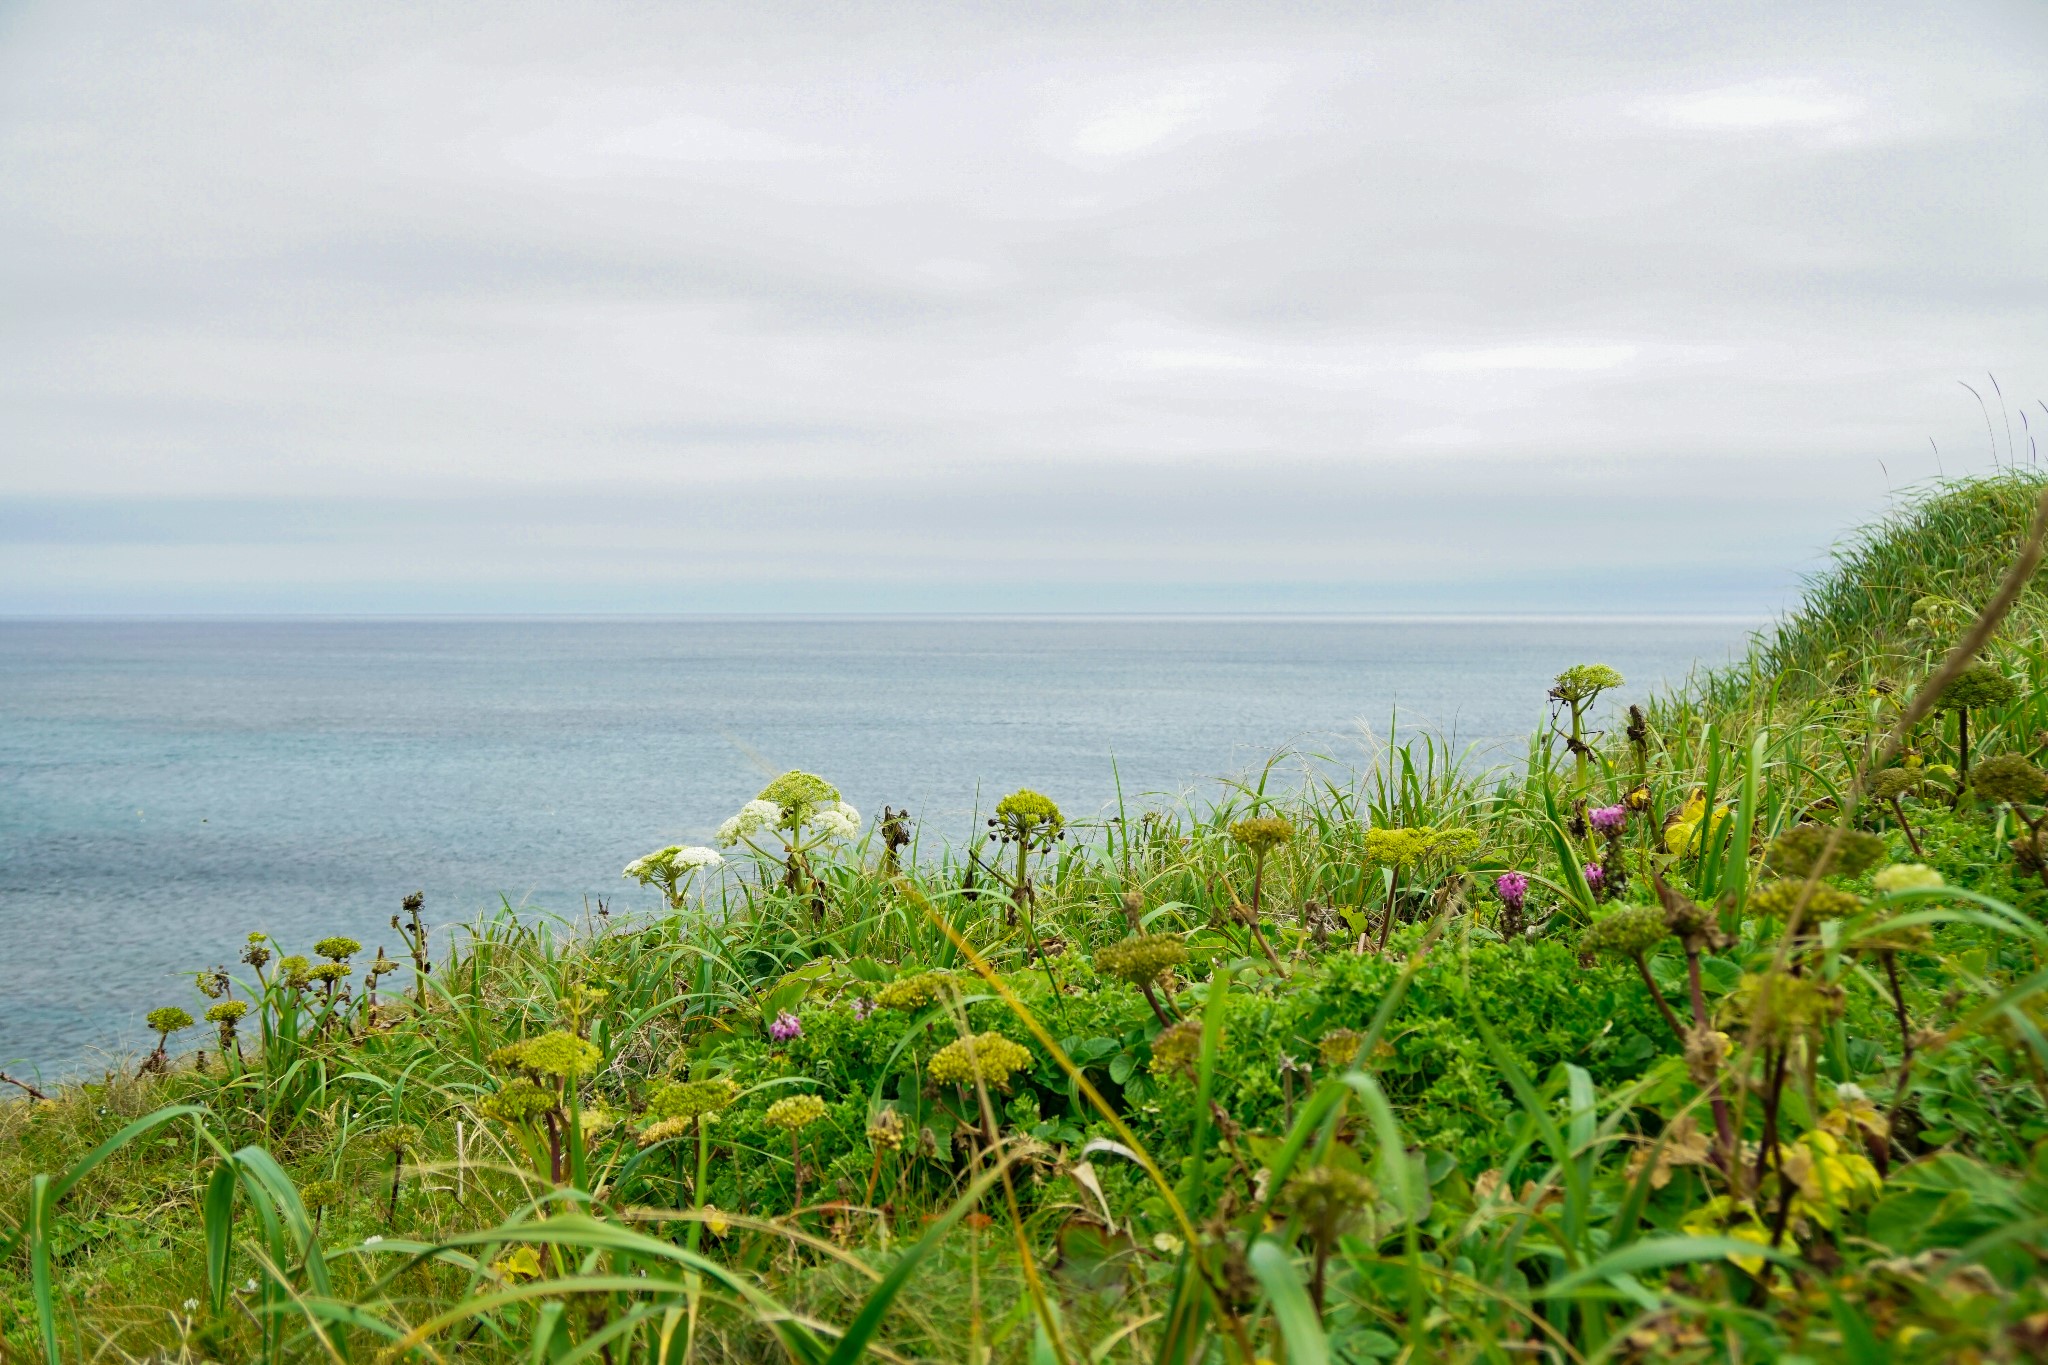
(1715, 1032)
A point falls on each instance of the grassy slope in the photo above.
(1446, 1251)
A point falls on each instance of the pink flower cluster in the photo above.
(785, 1027)
(1512, 888)
(1608, 820)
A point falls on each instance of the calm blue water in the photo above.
(166, 787)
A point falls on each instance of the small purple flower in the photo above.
(1595, 875)
(1608, 820)
(785, 1027)
(1512, 888)
(863, 1008)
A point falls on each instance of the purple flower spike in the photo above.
(785, 1027)
(1608, 820)
(1595, 874)
(1512, 888)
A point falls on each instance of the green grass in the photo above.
(1479, 1141)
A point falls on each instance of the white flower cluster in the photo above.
(673, 861)
(837, 821)
(754, 817)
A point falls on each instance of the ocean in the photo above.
(168, 786)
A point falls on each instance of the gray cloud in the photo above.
(699, 308)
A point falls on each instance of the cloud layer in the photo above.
(779, 308)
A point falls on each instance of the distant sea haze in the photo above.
(168, 786)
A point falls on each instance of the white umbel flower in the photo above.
(754, 817)
(838, 822)
(694, 856)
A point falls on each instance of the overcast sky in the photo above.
(686, 308)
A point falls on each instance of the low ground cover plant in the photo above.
(1717, 1033)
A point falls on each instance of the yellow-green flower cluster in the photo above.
(1978, 685)
(1328, 1198)
(559, 1054)
(1339, 1047)
(1262, 834)
(885, 1133)
(519, 1101)
(2009, 778)
(795, 1113)
(337, 948)
(1583, 682)
(908, 993)
(1907, 877)
(692, 1100)
(1797, 851)
(1025, 811)
(798, 794)
(1631, 931)
(169, 1019)
(666, 1129)
(1776, 899)
(1178, 1049)
(1143, 959)
(989, 1058)
(1398, 846)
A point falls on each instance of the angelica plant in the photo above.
(1976, 687)
(1574, 692)
(672, 870)
(802, 813)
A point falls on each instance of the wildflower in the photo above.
(862, 1008)
(1339, 1047)
(989, 1058)
(169, 1019)
(1776, 899)
(1025, 813)
(1797, 851)
(717, 1223)
(1512, 888)
(519, 1102)
(321, 1194)
(398, 1138)
(907, 993)
(1907, 877)
(191, 1305)
(559, 1054)
(1176, 1050)
(1263, 834)
(2009, 778)
(665, 1129)
(1976, 686)
(753, 817)
(1143, 959)
(837, 822)
(692, 1100)
(1608, 820)
(337, 948)
(1328, 1199)
(1166, 1244)
(785, 1027)
(1595, 875)
(1395, 846)
(1631, 932)
(257, 951)
(796, 795)
(795, 1112)
(885, 1133)
(225, 1016)
(373, 1239)
(1583, 682)
(295, 970)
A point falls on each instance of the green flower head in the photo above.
(908, 993)
(1978, 685)
(986, 1057)
(1397, 845)
(295, 971)
(1339, 1047)
(227, 1011)
(1327, 1199)
(2010, 778)
(1262, 834)
(1025, 813)
(337, 948)
(692, 1100)
(795, 1113)
(558, 1054)
(798, 793)
(398, 1139)
(169, 1020)
(1776, 899)
(1630, 932)
(1177, 1049)
(1907, 877)
(1797, 851)
(1583, 682)
(1142, 960)
(1893, 783)
(519, 1102)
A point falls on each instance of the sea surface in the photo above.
(167, 786)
